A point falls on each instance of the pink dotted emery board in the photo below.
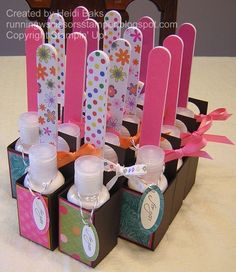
(112, 29)
(147, 26)
(75, 77)
(56, 37)
(90, 28)
(175, 46)
(47, 93)
(80, 14)
(96, 98)
(155, 95)
(134, 36)
(119, 71)
(28, 228)
(34, 38)
(187, 32)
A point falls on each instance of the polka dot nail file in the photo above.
(47, 93)
(79, 15)
(96, 98)
(134, 36)
(112, 29)
(56, 37)
(119, 71)
(35, 38)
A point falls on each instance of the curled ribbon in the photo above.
(64, 158)
(190, 149)
(219, 114)
(135, 170)
(205, 125)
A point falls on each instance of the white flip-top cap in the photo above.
(43, 163)
(89, 175)
(29, 128)
(153, 157)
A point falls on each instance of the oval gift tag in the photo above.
(90, 242)
(151, 209)
(40, 214)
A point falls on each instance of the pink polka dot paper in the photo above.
(112, 29)
(56, 37)
(96, 98)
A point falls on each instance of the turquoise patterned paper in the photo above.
(17, 168)
(129, 221)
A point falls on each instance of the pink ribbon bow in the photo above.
(219, 114)
(191, 149)
(203, 128)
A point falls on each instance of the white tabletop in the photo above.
(203, 235)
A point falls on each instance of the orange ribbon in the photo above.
(126, 142)
(64, 158)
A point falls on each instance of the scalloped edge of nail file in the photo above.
(156, 87)
(34, 38)
(175, 46)
(91, 31)
(109, 27)
(75, 77)
(148, 44)
(120, 86)
(79, 15)
(134, 70)
(47, 96)
(96, 98)
(60, 47)
(187, 32)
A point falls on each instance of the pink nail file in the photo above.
(56, 37)
(34, 38)
(47, 93)
(91, 31)
(75, 77)
(134, 36)
(155, 95)
(175, 46)
(96, 98)
(80, 14)
(112, 29)
(147, 26)
(119, 72)
(187, 32)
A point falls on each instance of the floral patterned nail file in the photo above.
(75, 77)
(80, 14)
(56, 37)
(175, 45)
(112, 29)
(34, 38)
(90, 28)
(134, 36)
(187, 32)
(119, 71)
(155, 95)
(96, 98)
(147, 26)
(47, 93)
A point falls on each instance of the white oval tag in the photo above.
(151, 208)
(90, 242)
(40, 214)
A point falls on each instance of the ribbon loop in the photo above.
(132, 171)
(219, 114)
